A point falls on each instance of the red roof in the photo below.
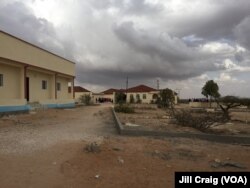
(80, 89)
(112, 90)
(140, 88)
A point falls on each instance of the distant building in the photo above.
(80, 91)
(29, 74)
(143, 93)
(107, 95)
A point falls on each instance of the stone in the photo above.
(93, 148)
(120, 160)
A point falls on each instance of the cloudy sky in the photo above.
(178, 42)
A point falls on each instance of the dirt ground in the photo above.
(47, 149)
(151, 118)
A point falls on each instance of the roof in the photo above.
(112, 90)
(140, 88)
(80, 89)
(1, 31)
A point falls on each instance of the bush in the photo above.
(124, 109)
(131, 99)
(85, 99)
(201, 121)
(120, 98)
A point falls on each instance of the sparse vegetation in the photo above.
(138, 99)
(166, 99)
(124, 108)
(200, 121)
(131, 99)
(228, 102)
(85, 99)
(120, 98)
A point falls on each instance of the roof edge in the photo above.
(40, 48)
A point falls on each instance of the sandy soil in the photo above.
(159, 119)
(47, 149)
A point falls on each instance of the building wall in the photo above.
(11, 82)
(63, 92)
(19, 60)
(203, 105)
(17, 50)
(79, 94)
(36, 92)
(147, 100)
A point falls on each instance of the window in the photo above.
(144, 96)
(1, 80)
(44, 84)
(58, 86)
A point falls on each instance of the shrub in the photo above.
(201, 121)
(124, 109)
(120, 98)
(85, 99)
(131, 99)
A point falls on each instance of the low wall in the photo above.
(203, 105)
(203, 136)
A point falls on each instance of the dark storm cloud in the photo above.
(18, 20)
(164, 46)
(242, 32)
(214, 21)
(142, 39)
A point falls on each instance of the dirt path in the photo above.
(46, 149)
(33, 146)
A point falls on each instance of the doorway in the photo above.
(27, 86)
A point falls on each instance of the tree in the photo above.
(85, 99)
(120, 98)
(132, 99)
(138, 98)
(211, 90)
(166, 98)
(228, 102)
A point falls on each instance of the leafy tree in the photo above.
(166, 98)
(138, 98)
(228, 102)
(211, 90)
(132, 99)
(85, 99)
(120, 98)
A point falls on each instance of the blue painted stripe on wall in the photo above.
(27, 107)
(14, 108)
(68, 105)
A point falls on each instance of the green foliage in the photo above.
(124, 108)
(201, 121)
(131, 99)
(120, 98)
(138, 98)
(228, 102)
(166, 98)
(85, 99)
(211, 89)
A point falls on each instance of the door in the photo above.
(27, 92)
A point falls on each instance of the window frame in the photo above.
(44, 84)
(1, 80)
(58, 86)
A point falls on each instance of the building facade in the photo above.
(80, 91)
(29, 74)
